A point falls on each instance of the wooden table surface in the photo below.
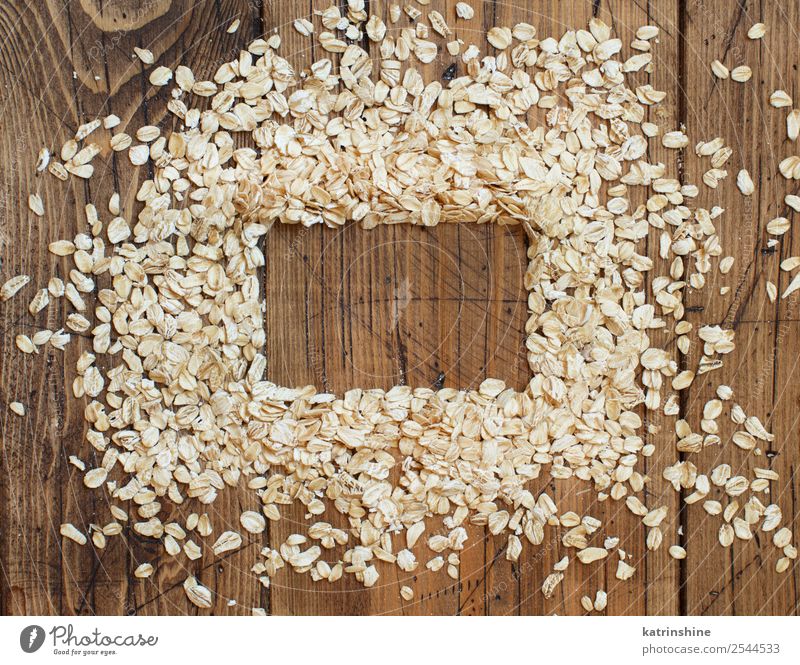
(351, 308)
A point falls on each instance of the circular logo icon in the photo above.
(31, 638)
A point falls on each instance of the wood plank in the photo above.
(202, 44)
(32, 446)
(774, 393)
(391, 306)
(651, 590)
(719, 581)
(502, 578)
(95, 581)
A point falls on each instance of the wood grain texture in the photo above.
(350, 308)
(740, 580)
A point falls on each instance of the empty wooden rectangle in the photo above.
(349, 308)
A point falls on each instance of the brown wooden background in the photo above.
(359, 309)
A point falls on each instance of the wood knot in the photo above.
(124, 15)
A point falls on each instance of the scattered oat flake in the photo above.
(793, 124)
(36, 205)
(70, 531)
(741, 74)
(253, 522)
(12, 286)
(139, 155)
(143, 571)
(42, 160)
(790, 263)
(86, 129)
(600, 601)
(303, 26)
(438, 24)
(25, 344)
(550, 584)
(590, 554)
(675, 140)
(95, 477)
(234, 26)
(168, 300)
(500, 38)
(719, 70)
(793, 286)
(624, 571)
(197, 593)
(745, 183)
(230, 540)
(789, 167)
(145, 55)
(160, 76)
(39, 302)
(464, 11)
(778, 226)
(780, 99)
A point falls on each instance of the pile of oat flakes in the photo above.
(186, 409)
